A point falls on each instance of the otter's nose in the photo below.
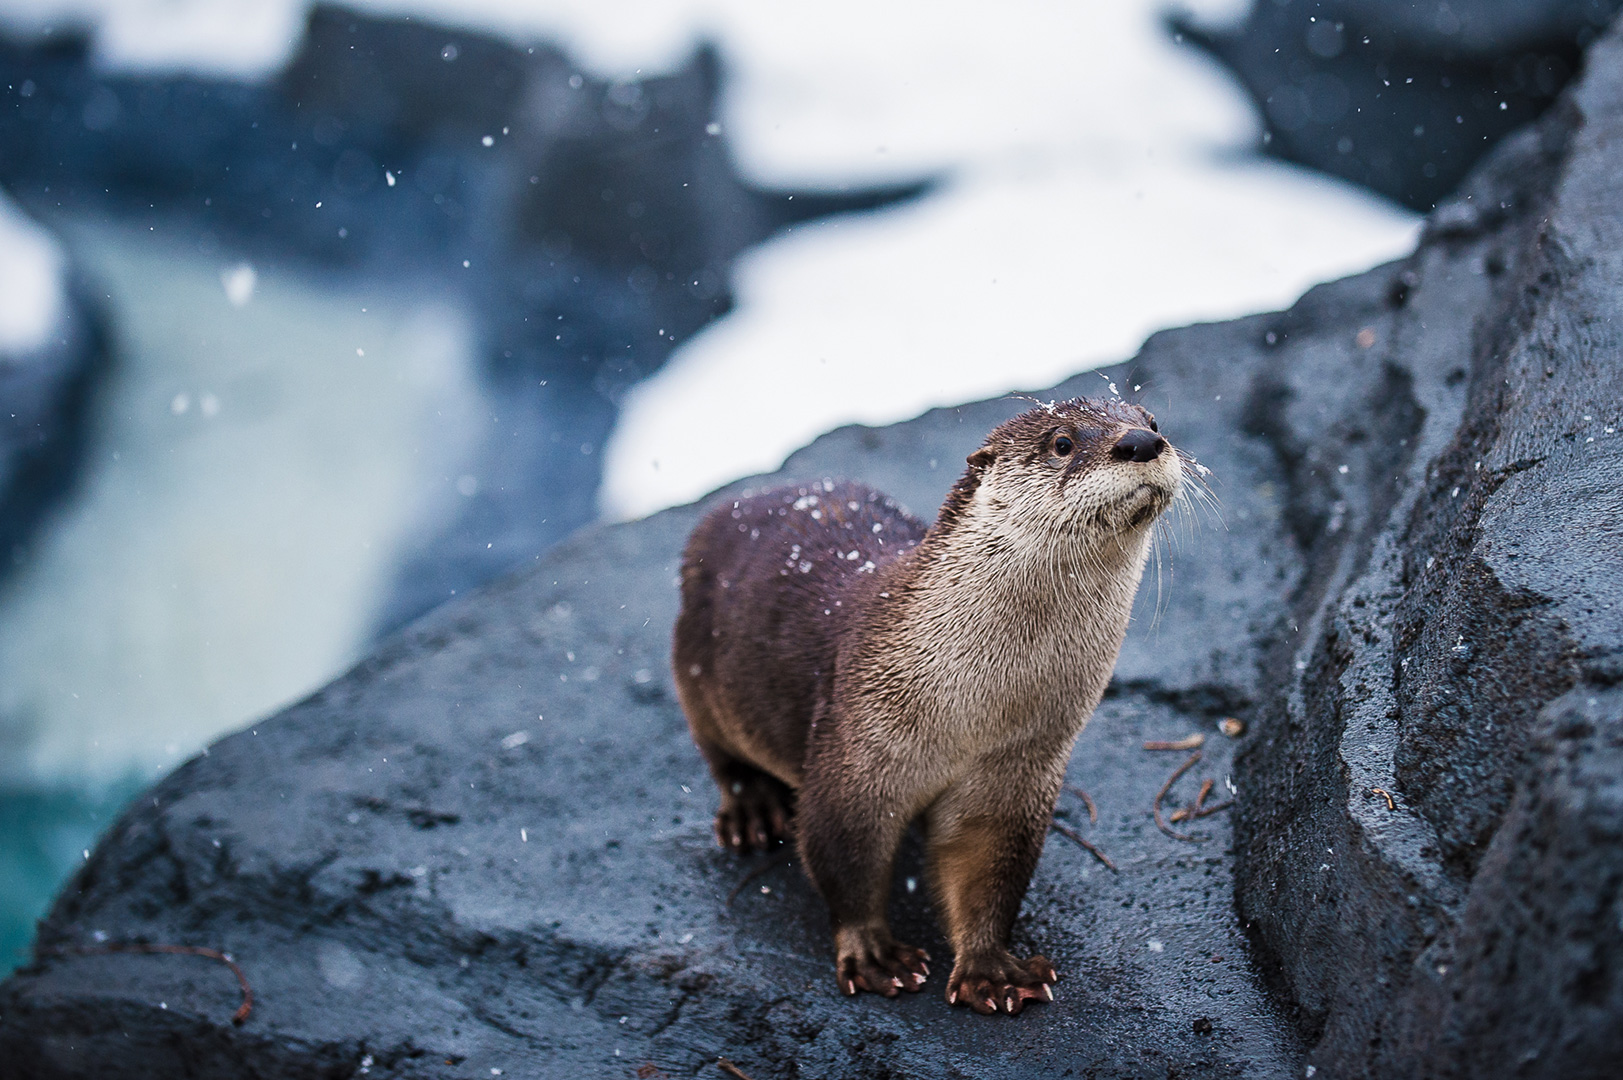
(1139, 444)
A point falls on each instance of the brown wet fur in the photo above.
(846, 671)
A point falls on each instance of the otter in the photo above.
(846, 671)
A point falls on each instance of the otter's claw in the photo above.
(871, 960)
(993, 984)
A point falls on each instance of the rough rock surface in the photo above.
(1460, 641)
(407, 890)
(488, 846)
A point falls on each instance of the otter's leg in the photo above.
(985, 836)
(848, 846)
(757, 809)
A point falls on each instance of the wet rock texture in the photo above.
(488, 847)
(1457, 640)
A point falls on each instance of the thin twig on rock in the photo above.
(1093, 811)
(1160, 822)
(731, 1070)
(1076, 838)
(238, 1017)
(1188, 742)
(1390, 805)
(1190, 813)
(1215, 808)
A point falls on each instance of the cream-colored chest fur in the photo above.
(1000, 642)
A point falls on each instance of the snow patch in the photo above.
(1013, 278)
(241, 38)
(1102, 184)
(33, 298)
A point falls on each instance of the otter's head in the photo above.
(1087, 469)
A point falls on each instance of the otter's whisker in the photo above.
(1162, 574)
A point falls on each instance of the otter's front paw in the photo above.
(755, 814)
(990, 983)
(870, 959)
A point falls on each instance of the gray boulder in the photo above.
(1457, 643)
(489, 847)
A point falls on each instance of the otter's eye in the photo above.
(1154, 426)
(1063, 445)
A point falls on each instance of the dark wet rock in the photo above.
(590, 225)
(1455, 647)
(404, 80)
(493, 842)
(1403, 97)
(45, 398)
(488, 846)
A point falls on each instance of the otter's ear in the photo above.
(981, 458)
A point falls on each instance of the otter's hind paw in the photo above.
(756, 815)
(874, 961)
(993, 984)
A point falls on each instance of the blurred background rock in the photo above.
(1399, 96)
(313, 318)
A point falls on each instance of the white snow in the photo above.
(1002, 282)
(239, 282)
(249, 38)
(1101, 186)
(33, 300)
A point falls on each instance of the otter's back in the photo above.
(765, 581)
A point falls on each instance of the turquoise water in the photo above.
(44, 833)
